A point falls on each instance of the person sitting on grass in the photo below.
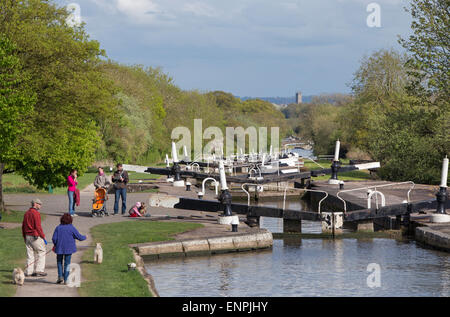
(64, 246)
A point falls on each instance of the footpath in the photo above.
(54, 206)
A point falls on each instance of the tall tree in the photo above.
(16, 100)
(72, 94)
(429, 46)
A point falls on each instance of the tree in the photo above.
(429, 47)
(381, 77)
(406, 131)
(16, 100)
(377, 86)
(72, 94)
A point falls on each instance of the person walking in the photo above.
(120, 180)
(35, 242)
(72, 187)
(101, 181)
(63, 239)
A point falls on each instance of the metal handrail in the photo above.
(196, 165)
(375, 187)
(256, 169)
(285, 192)
(216, 184)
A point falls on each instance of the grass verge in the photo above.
(14, 183)
(12, 251)
(111, 278)
(12, 216)
(348, 176)
(12, 254)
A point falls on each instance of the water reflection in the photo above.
(308, 267)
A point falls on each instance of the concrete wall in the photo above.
(433, 238)
(241, 242)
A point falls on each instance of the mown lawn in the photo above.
(12, 254)
(13, 183)
(112, 278)
(347, 176)
(12, 251)
(12, 216)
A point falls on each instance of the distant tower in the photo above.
(298, 98)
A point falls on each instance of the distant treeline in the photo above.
(150, 106)
(279, 100)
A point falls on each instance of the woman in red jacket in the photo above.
(72, 187)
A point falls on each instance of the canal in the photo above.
(308, 267)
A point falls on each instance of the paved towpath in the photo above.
(54, 206)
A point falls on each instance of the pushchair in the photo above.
(99, 203)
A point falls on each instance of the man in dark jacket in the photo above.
(120, 180)
(34, 238)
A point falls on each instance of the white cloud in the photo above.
(227, 36)
(137, 8)
(200, 9)
(136, 11)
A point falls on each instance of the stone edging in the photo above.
(434, 238)
(262, 239)
(147, 276)
(222, 244)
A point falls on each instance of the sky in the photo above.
(258, 48)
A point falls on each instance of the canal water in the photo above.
(309, 267)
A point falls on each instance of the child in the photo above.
(64, 246)
(135, 211)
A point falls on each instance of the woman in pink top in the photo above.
(72, 184)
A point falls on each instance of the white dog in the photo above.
(98, 254)
(18, 276)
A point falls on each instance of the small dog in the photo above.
(131, 266)
(98, 254)
(18, 276)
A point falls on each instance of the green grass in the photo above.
(347, 176)
(112, 278)
(12, 216)
(12, 252)
(325, 163)
(133, 176)
(83, 182)
(15, 184)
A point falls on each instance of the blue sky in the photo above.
(246, 47)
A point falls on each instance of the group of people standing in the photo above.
(120, 180)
